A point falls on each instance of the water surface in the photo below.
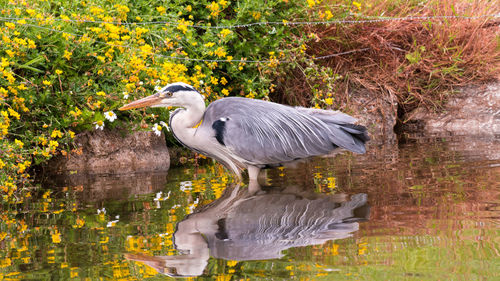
(428, 209)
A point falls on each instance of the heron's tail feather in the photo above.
(344, 133)
(349, 136)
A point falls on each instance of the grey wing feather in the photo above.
(266, 133)
(345, 133)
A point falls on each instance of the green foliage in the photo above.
(67, 66)
(416, 56)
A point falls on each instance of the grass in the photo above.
(420, 61)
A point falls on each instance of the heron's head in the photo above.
(175, 94)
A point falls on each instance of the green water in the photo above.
(427, 209)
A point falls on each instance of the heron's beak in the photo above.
(144, 102)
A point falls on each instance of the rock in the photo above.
(100, 187)
(473, 110)
(114, 152)
(376, 111)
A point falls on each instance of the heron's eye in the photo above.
(164, 94)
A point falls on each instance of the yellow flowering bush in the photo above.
(66, 67)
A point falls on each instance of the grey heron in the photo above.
(244, 226)
(254, 134)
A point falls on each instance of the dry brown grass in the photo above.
(421, 62)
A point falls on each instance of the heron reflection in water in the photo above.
(254, 134)
(244, 225)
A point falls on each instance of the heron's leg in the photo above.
(254, 187)
(253, 179)
(253, 173)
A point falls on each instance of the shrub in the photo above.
(68, 65)
(420, 61)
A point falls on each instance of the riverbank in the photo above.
(470, 112)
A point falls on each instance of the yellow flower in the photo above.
(161, 10)
(225, 92)
(19, 143)
(14, 113)
(59, 72)
(2, 164)
(225, 32)
(46, 83)
(31, 12)
(79, 223)
(358, 5)
(21, 168)
(96, 10)
(56, 237)
(139, 31)
(328, 14)
(5, 62)
(329, 101)
(31, 44)
(220, 52)
(331, 182)
(101, 93)
(56, 133)
(75, 113)
(223, 81)
(214, 9)
(189, 8)
(10, 25)
(122, 9)
(71, 134)
(53, 144)
(42, 140)
(214, 80)
(256, 15)
(251, 95)
(182, 25)
(311, 3)
(10, 53)
(73, 273)
(67, 54)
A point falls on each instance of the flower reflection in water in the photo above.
(250, 224)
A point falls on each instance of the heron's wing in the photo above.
(266, 133)
(338, 122)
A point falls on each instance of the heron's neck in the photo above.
(185, 120)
